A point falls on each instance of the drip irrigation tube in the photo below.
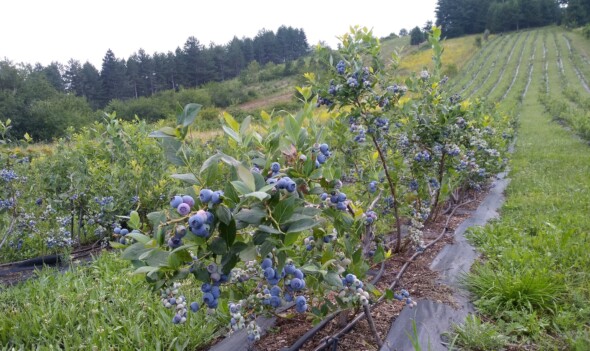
(313, 331)
(325, 341)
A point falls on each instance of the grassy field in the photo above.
(101, 306)
(533, 286)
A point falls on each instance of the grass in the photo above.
(476, 335)
(98, 306)
(535, 281)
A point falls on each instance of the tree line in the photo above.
(188, 66)
(462, 17)
(45, 100)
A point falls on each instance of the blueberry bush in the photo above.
(53, 201)
(414, 137)
(285, 210)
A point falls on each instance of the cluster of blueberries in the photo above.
(182, 204)
(423, 156)
(370, 217)
(285, 183)
(211, 291)
(171, 299)
(372, 186)
(336, 199)
(404, 295)
(323, 155)
(352, 288)
(237, 321)
(309, 241)
(7, 175)
(120, 233)
(293, 282)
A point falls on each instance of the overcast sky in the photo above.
(56, 30)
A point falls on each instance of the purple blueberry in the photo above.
(216, 197)
(298, 274)
(208, 298)
(301, 308)
(187, 199)
(194, 306)
(205, 195)
(300, 301)
(175, 201)
(183, 209)
(275, 167)
(267, 262)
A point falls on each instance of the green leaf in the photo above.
(189, 114)
(218, 246)
(228, 232)
(201, 274)
(259, 195)
(245, 125)
(310, 268)
(178, 258)
(260, 237)
(165, 132)
(241, 187)
(186, 177)
(171, 147)
(261, 183)
(379, 255)
(232, 134)
(292, 128)
(333, 279)
(269, 229)
(116, 245)
(284, 209)
(267, 247)
(246, 176)
(389, 294)
(146, 269)
(250, 216)
(249, 254)
(228, 262)
(139, 237)
(156, 218)
(134, 221)
(302, 224)
(134, 251)
(224, 214)
(291, 238)
(213, 160)
(158, 258)
(231, 121)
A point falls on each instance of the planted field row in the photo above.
(534, 284)
(494, 68)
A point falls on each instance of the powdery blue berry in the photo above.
(187, 199)
(175, 201)
(275, 167)
(267, 262)
(298, 274)
(183, 209)
(301, 308)
(195, 306)
(205, 195)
